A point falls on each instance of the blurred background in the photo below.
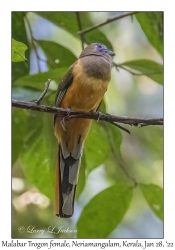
(127, 95)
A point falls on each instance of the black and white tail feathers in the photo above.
(67, 177)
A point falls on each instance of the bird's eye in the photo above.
(100, 46)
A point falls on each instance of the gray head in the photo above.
(97, 49)
(96, 59)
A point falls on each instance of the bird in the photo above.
(81, 89)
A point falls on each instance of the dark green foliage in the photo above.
(146, 67)
(54, 51)
(152, 25)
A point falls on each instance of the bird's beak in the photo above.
(111, 53)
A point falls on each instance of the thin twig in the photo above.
(88, 115)
(133, 73)
(33, 43)
(118, 157)
(119, 126)
(44, 92)
(80, 28)
(109, 20)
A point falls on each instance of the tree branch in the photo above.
(80, 28)
(109, 20)
(44, 92)
(141, 122)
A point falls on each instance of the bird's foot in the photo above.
(68, 112)
(99, 115)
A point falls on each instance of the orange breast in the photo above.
(85, 93)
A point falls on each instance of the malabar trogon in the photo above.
(81, 89)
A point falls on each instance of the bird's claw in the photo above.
(99, 115)
(68, 112)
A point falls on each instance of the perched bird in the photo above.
(81, 89)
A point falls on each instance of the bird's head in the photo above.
(97, 49)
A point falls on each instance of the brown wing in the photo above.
(63, 86)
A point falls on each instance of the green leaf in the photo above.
(102, 107)
(38, 158)
(18, 51)
(104, 212)
(114, 164)
(147, 67)
(55, 52)
(96, 147)
(81, 178)
(37, 81)
(154, 196)
(151, 23)
(19, 33)
(65, 20)
(68, 21)
(114, 136)
(18, 131)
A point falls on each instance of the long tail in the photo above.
(67, 171)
